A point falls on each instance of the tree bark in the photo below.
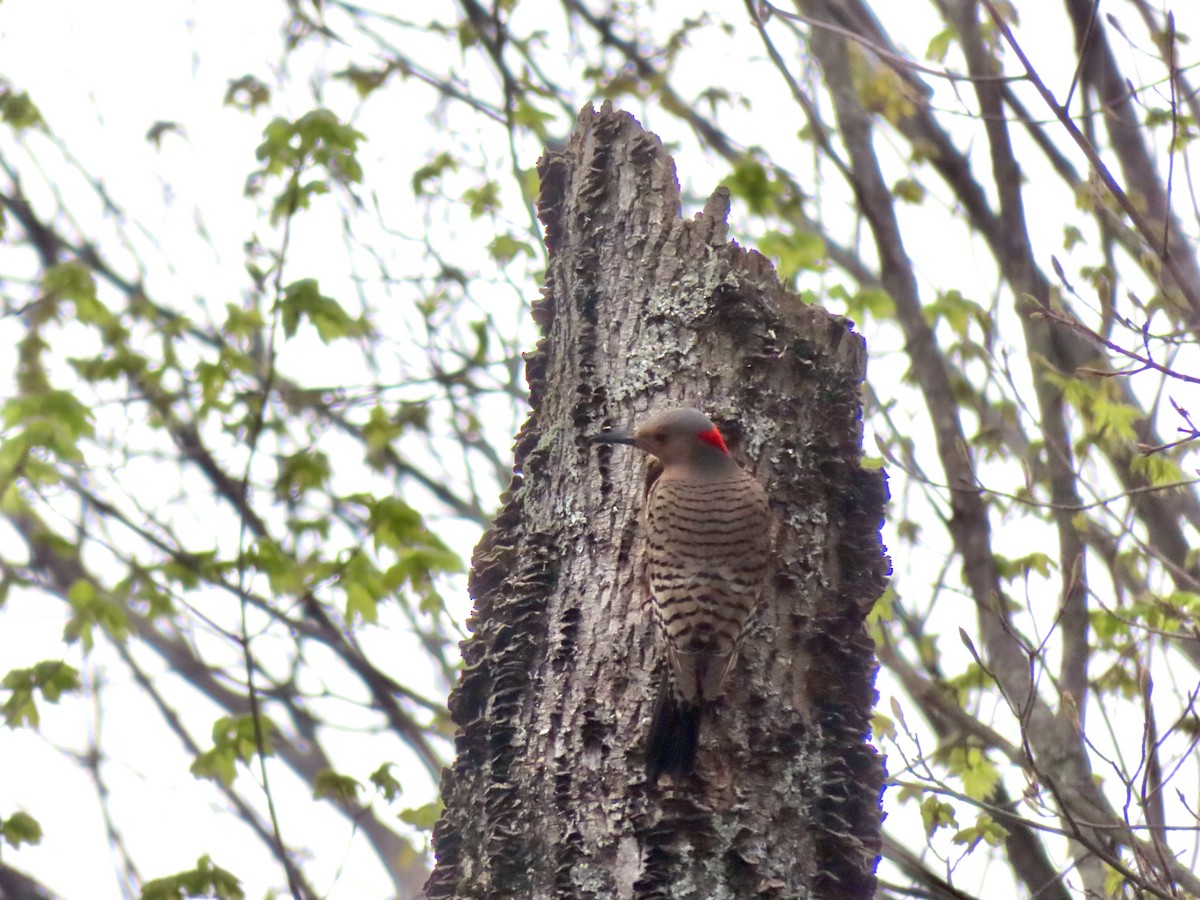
(548, 795)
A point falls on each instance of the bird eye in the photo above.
(659, 438)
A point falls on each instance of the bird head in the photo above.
(676, 437)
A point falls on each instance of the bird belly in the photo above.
(706, 559)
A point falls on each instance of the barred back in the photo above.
(707, 554)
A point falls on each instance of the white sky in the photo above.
(102, 74)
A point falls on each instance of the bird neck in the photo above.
(704, 467)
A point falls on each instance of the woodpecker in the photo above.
(707, 525)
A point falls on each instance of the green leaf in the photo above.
(329, 785)
(885, 607)
(276, 150)
(247, 93)
(418, 566)
(365, 81)
(233, 742)
(284, 574)
(394, 524)
(241, 321)
(1115, 420)
(504, 248)
(300, 473)
(939, 45)
(1157, 116)
(621, 84)
(762, 191)
(432, 171)
(215, 765)
(378, 432)
(318, 139)
(1109, 631)
(880, 89)
(1023, 566)
(213, 379)
(971, 680)
(526, 115)
(144, 592)
(1158, 469)
(91, 607)
(979, 775)
(955, 310)
(794, 251)
(985, 829)
(160, 129)
(483, 199)
(303, 300)
(908, 190)
(74, 281)
(330, 143)
(936, 813)
(1187, 603)
(383, 779)
(18, 109)
(873, 302)
(1120, 678)
(360, 604)
(50, 678)
(20, 828)
(189, 571)
(882, 727)
(296, 197)
(528, 179)
(420, 554)
(1115, 882)
(206, 880)
(423, 817)
(50, 421)
(116, 361)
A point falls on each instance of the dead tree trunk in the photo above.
(548, 795)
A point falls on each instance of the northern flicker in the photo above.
(707, 534)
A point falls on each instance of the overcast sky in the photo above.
(103, 74)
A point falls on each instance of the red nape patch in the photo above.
(714, 437)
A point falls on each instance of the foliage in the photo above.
(247, 472)
(206, 880)
(20, 828)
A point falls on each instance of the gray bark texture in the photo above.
(548, 796)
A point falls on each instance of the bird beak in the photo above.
(612, 437)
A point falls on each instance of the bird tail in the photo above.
(674, 734)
